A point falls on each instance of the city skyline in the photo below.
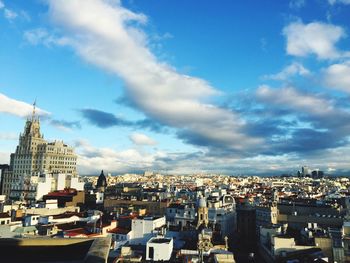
(235, 87)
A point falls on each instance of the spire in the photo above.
(34, 106)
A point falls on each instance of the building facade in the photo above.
(219, 212)
(34, 156)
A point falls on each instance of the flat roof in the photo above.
(160, 240)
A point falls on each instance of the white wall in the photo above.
(43, 187)
(5, 221)
(161, 251)
(142, 229)
(61, 181)
(74, 183)
(99, 197)
(51, 204)
(31, 220)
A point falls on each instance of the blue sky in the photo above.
(234, 87)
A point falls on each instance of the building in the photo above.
(305, 171)
(5, 218)
(159, 249)
(101, 182)
(217, 212)
(34, 188)
(3, 173)
(2, 203)
(265, 216)
(66, 197)
(144, 228)
(224, 258)
(276, 246)
(181, 215)
(32, 249)
(202, 213)
(152, 207)
(246, 226)
(33, 157)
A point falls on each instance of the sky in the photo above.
(181, 86)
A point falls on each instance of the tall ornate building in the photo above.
(34, 156)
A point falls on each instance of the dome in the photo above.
(201, 202)
(228, 199)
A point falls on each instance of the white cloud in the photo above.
(18, 108)
(291, 70)
(296, 4)
(337, 76)
(165, 36)
(9, 14)
(106, 34)
(4, 157)
(25, 15)
(42, 36)
(263, 44)
(313, 38)
(141, 139)
(8, 136)
(92, 159)
(291, 98)
(345, 2)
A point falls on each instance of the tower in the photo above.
(274, 207)
(101, 182)
(33, 157)
(202, 212)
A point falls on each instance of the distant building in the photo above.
(152, 207)
(67, 197)
(219, 212)
(144, 228)
(266, 216)
(202, 212)
(101, 182)
(5, 218)
(4, 172)
(35, 187)
(246, 226)
(305, 171)
(35, 156)
(276, 246)
(316, 174)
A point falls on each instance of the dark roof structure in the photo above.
(101, 181)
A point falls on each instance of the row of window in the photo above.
(3, 222)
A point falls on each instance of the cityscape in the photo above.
(174, 131)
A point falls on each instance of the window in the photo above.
(151, 252)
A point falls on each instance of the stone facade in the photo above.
(34, 156)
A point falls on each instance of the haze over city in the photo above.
(234, 87)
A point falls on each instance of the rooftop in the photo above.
(160, 240)
(119, 230)
(4, 215)
(48, 250)
(65, 192)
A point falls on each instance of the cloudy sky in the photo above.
(234, 87)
